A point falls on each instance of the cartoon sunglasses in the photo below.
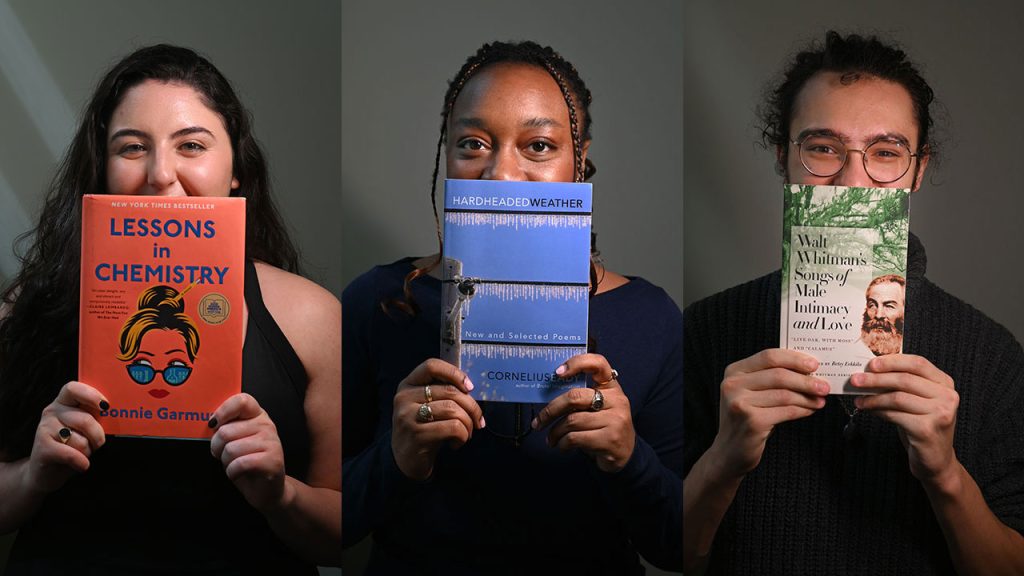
(175, 374)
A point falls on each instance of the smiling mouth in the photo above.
(159, 393)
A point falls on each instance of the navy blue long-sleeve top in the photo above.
(492, 507)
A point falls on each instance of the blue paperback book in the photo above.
(516, 272)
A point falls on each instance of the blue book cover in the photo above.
(515, 296)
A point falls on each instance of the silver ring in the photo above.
(615, 376)
(427, 394)
(63, 435)
(598, 402)
(424, 414)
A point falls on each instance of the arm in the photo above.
(53, 460)
(922, 401)
(756, 394)
(306, 516)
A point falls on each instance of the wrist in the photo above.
(948, 483)
(284, 503)
(31, 487)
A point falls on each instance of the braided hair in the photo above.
(577, 100)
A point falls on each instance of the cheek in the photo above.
(124, 177)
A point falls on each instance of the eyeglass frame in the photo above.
(863, 156)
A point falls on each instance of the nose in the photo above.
(162, 173)
(504, 165)
(853, 173)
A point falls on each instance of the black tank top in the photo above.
(149, 506)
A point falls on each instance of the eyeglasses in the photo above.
(174, 374)
(885, 160)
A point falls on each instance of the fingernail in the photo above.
(822, 386)
(533, 424)
(810, 364)
(468, 383)
(213, 422)
(857, 378)
(858, 401)
(104, 405)
(483, 422)
(560, 370)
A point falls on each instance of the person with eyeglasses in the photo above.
(925, 475)
(581, 485)
(263, 496)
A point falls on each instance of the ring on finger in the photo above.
(63, 435)
(427, 394)
(425, 413)
(598, 402)
(615, 376)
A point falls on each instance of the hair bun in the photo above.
(161, 298)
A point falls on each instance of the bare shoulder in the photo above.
(308, 314)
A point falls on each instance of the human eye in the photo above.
(131, 150)
(540, 146)
(473, 144)
(822, 146)
(142, 362)
(178, 363)
(192, 148)
(886, 151)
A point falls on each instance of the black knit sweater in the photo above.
(819, 504)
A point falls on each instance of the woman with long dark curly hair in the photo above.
(580, 485)
(164, 121)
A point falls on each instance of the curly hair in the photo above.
(852, 56)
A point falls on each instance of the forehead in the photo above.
(858, 109)
(157, 103)
(509, 88)
(886, 291)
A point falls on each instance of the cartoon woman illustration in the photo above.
(160, 339)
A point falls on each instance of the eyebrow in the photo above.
(126, 132)
(886, 136)
(539, 122)
(175, 350)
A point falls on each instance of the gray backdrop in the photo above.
(397, 57)
(967, 212)
(284, 60)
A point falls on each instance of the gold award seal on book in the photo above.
(214, 308)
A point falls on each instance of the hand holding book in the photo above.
(758, 393)
(247, 444)
(57, 456)
(920, 399)
(605, 434)
(451, 415)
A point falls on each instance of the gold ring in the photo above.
(63, 435)
(427, 394)
(424, 414)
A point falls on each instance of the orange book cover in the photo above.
(161, 310)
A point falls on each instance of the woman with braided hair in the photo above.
(571, 487)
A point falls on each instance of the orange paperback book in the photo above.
(161, 310)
